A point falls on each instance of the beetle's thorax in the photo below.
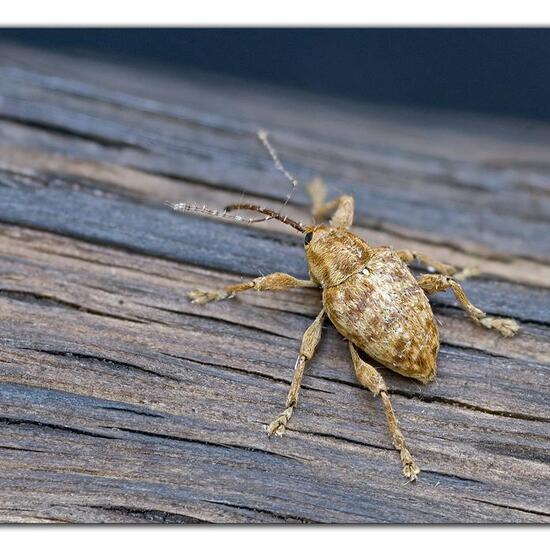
(334, 255)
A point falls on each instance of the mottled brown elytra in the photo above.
(369, 294)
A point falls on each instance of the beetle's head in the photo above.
(333, 254)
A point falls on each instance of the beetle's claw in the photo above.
(276, 428)
(411, 470)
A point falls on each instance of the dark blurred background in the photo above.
(502, 71)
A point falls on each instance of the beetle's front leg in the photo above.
(311, 338)
(438, 283)
(342, 205)
(274, 281)
(408, 256)
(369, 377)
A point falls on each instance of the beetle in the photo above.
(368, 293)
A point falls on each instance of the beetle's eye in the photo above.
(307, 238)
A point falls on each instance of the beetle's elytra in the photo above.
(369, 295)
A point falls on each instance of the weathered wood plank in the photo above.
(395, 194)
(84, 307)
(35, 170)
(122, 402)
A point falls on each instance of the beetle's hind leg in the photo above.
(369, 377)
(438, 283)
(408, 256)
(274, 281)
(310, 339)
(342, 205)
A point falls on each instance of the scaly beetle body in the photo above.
(369, 294)
(374, 301)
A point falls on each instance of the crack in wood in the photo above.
(220, 320)
(455, 403)
(148, 514)
(447, 346)
(246, 372)
(176, 438)
(22, 449)
(509, 507)
(69, 132)
(443, 400)
(336, 437)
(283, 517)
(10, 421)
(133, 411)
(103, 360)
(452, 477)
(53, 301)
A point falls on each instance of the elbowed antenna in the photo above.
(271, 214)
(205, 210)
(263, 137)
(268, 212)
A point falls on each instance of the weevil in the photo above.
(368, 293)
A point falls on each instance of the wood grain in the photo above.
(122, 402)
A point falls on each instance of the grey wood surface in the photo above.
(122, 402)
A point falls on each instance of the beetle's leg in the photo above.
(309, 342)
(317, 192)
(369, 377)
(274, 281)
(438, 283)
(408, 256)
(343, 205)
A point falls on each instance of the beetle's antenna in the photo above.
(271, 214)
(263, 137)
(205, 210)
(268, 212)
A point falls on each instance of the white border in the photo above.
(275, 13)
(176, 13)
(274, 538)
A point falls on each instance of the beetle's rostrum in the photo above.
(370, 296)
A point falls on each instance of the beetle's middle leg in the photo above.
(408, 256)
(342, 205)
(311, 338)
(369, 377)
(438, 283)
(274, 281)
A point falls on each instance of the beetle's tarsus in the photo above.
(204, 296)
(278, 426)
(467, 272)
(410, 469)
(506, 327)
